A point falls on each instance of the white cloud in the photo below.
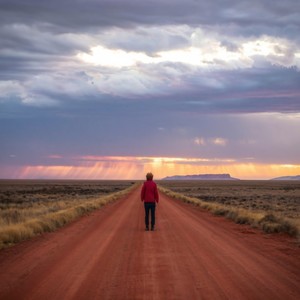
(204, 49)
(199, 141)
(218, 141)
(194, 56)
(116, 58)
(10, 89)
(170, 67)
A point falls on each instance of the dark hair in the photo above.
(149, 176)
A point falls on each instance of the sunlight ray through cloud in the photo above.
(127, 168)
(202, 55)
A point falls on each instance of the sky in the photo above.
(112, 89)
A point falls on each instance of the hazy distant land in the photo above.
(201, 177)
(220, 177)
(297, 177)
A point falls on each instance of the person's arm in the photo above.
(156, 194)
(143, 193)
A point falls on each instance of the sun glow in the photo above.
(263, 47)
(114, 57)
(124, 167)
(118, 58)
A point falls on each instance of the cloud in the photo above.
(203, 50)
(167, 56)
(199, 141)
(149, 78)
(244, 18)
(55, 156)
(218, 141)
(146, 39)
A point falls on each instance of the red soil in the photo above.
(191, 255)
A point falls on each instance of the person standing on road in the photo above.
(149, 195)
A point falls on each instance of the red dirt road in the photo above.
(191, 255)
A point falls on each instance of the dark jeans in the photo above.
(149, 206)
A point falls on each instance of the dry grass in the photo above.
(240, 208)
(50, 205)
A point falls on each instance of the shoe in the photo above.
(147, 229)
(152, 228)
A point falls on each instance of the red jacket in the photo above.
(149, 192)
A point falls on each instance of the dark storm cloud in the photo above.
(265, 88)
(80, 16)
(26, 51)
(252, 90)
(269, 89)
(34, 40)
(36, 32)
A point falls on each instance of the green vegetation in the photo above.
(33, 207)
(270, 206)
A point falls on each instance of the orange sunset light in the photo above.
(123, 167)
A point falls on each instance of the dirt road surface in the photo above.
(191, 255)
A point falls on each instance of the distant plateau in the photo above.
(201, 177)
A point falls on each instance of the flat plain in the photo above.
(273, 206)
(30, 207)
(26, 198)
(279, 197)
